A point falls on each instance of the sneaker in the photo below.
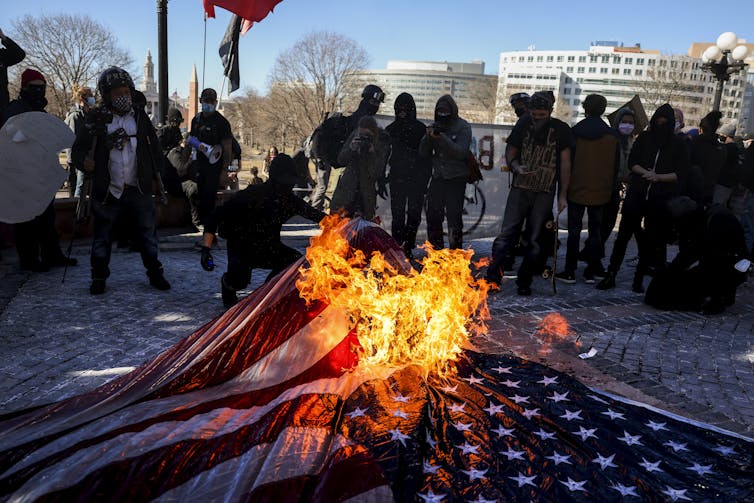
(607, 282)
(588, 277)
(566, 277)
(159, 282)
(524, 291)
(97, 287)
(510, 275)
(228, 294)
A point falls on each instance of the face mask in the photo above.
(208, 108)
(625, 128)
(519, 111)
(539, 124)
(122, 104)
(89, 101)
(35, 96)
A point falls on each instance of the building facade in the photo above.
(618, 73)
(426, 81)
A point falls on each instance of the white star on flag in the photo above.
(557, 458)
(572, 415)
(493, 409)
(519, 399)
(502, 370)
(475, 474)
(397, 435)
(585, 433)
(558, 397)
(448, 389)
(456, 407)
(473, 380)
(656, 426)
(400, 398)
(676, 494)
(523, 480)
(503, 432)
(463, 426)
(614, 415)
(513, 454)
(650, 467)
(724, 450)
(467, 448)
(542, 434)
(630, 439)
(548, 380)
(572, 485)
(431, 497)
(700, 469)
(625, 490)
(676, 446)
(432, 443)
(510, 384)
(399, 413)
(429, 468)
(605, 462)
(357, 412)
(529, 413)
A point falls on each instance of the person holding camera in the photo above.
(365, 156)
(251, 222)
(126, 163)
(210, 127)
(447, 142)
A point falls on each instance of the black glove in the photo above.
(382, 188)
(208, 263)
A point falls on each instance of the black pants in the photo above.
(37, 239)
(594, 249)
(208, 181)
(191, 191)
(406, 200)
(609, 216)
(243, 256)
(445, 199)
(138, 209)
(630, 225)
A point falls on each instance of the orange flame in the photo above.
(401, 316)
(552, 329)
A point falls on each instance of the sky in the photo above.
(425, 30)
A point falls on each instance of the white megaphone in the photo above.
(213, 153)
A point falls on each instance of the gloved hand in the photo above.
(382, 188)
(208, 263)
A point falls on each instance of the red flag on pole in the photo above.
(251, 11)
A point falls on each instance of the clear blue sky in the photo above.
(436, 30)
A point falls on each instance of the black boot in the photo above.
(638, 283)
(157, 280)
(229, 294)
(607, 282)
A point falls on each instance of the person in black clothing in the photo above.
(10, 55)
(409, 173)
(170, 137)
(127, 161)
(210, 127)
(708, 155)
(76, 120)
(730, 174)
(36, 240)
(251, 222)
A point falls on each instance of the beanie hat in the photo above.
(542, 100)
(208, 94)
(30, 75)
(728, 129)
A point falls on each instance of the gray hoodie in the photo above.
(449, 152)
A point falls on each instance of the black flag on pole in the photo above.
(229, 53)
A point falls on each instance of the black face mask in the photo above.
(34, 96)
(519, 111)
(662, 132)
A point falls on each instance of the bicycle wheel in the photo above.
(473, 210)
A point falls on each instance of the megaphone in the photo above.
(213, 153)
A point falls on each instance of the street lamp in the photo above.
(723, 59)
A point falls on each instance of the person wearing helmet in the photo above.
(251, 222)
(126, 162)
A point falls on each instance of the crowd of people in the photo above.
(668, 183)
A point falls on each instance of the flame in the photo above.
(401, 316)
(552, 329)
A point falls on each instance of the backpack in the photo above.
(328, 138)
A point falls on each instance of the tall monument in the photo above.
(147, 83)
(193, 102)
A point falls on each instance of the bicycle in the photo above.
(474, 207)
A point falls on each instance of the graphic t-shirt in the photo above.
(540, 153)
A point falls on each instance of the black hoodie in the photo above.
(450, 151)
(405, 134)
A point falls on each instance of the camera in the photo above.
(437, 128)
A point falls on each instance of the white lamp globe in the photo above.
(704, 58)
(740, 52)
(727, 41)
(712, 53)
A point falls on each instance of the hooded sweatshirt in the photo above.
(659, 149)
(405, 135)
(626, 142)
(595, 162)
(450, 151)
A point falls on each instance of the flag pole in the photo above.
(204, 56)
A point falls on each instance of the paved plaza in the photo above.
(57, 341)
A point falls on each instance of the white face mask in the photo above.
(625, 128)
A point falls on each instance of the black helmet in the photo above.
(111, 78)
(518, 97)
(175, 115)
(373, 92)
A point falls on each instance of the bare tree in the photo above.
(307, 81)
(69, 50)
(481, 100)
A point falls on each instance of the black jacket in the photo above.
(406, 165)
(17, 107)
(707, 160)
(11, 55)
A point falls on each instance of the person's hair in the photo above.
(273, 147)
(594, 105)
(254, 170)
(80, 91)
(368, 122)
(711, 122)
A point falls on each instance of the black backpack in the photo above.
(328, 138)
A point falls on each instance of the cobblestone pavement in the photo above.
(57, 340)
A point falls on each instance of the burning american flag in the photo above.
(350, 378)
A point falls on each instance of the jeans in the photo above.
(522, 205)
(594, 247)
(191, 191)
(137, 208)
(323, 178)
(445, 199)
